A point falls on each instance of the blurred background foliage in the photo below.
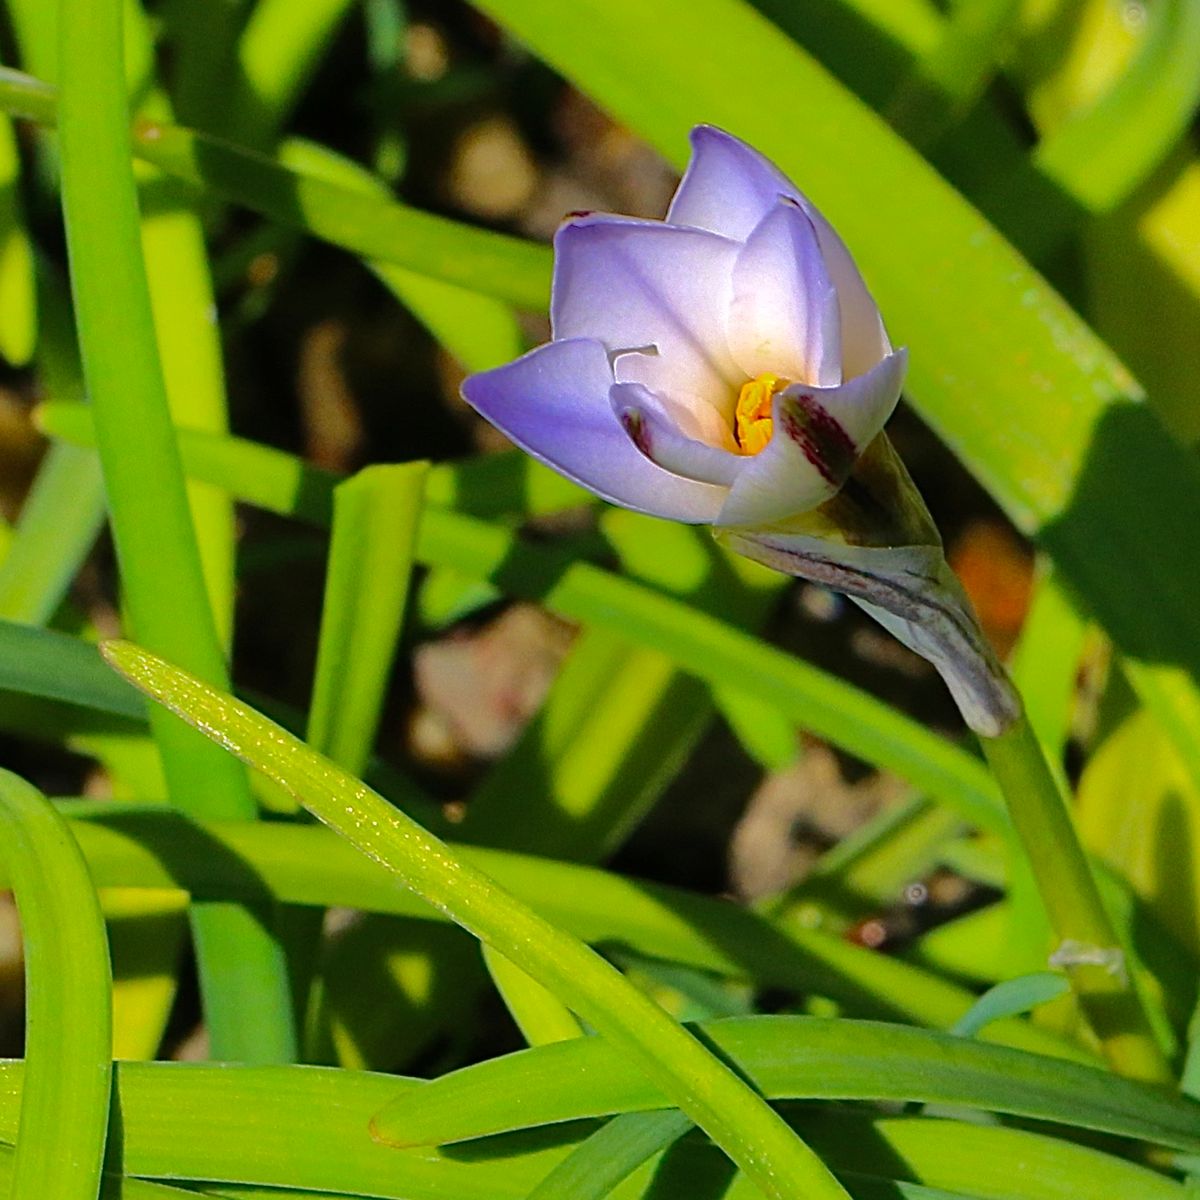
(1020, 182)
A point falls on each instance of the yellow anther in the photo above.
(752, 418)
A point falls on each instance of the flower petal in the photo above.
(553, 402)
(634, 283)
(819, 432)
(696, 416)
(729, 188)
(784, 318)
(656, 431)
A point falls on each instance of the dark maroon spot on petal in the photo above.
(639, 432)
(578, 214)
(819, 435)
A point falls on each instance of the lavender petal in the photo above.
(784, 318)
(632, 284)
(553, 402)
(729, 188)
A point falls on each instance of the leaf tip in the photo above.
(121, 655)
(378, 1128)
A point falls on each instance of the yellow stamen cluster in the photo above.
(752, 423)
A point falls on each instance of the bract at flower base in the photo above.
(876, 543)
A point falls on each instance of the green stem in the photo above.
(243, 976)
(1073, 905)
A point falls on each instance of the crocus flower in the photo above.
(728, 367)
(725, 366)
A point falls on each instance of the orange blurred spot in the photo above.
(996, 569)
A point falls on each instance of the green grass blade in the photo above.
(375, 516)
(68, 1014)
(541, 1017)
(616, 1149)
(393, 991)
(1010, 998)
(915, 24)
(986, 1163)
(859, 1187)
(189, 342)
(48, 666)
(202, 38)
(18, 290)
(1077, 913)
(494, 485)
(1103, 153)
(277, 54)
(620, 718)
(55, 666)
(618, 721)
(303, 1128)
(945, 83)
(763, 732)
(243, 978)
(798, 1058)
(475, 259)
(58, 526)
(613, 729)
(1045, 662)
(63, 513)
(307, 1129)
(56, 531)
(480, 331)
(308, 865)
(38, 29)
(717, 653)
(733, 1114)
(869, 869)
(112, 1187)
(702, 644)
(979, 947)
(366, 589)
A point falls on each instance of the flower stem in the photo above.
(1088, 946)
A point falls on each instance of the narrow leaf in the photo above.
(68, 999)
(717, 1099)
(1010, 998)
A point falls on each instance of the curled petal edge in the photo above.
(662, 441)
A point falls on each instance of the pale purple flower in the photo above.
(726, 366)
